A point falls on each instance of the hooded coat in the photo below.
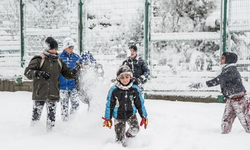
(48, 89)
(229, 79)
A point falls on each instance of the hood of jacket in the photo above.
(230, 57)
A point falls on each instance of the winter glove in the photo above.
(195, 85)
(107, 123)
(143, 79)
(42, 74)
(138, 81)
(76, 70)
(145, 122)
(79, 61)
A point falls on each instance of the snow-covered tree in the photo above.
(9, 18)
(181, 15)
(47, 14)
(187, 16)
(110, 28)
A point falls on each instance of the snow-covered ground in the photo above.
(172, 126)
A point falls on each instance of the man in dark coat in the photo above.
(44, 70)
(138, 66)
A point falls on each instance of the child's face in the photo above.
(69, 49)
(222, 60)
(125, 79)
(52, 51)
(132, 53)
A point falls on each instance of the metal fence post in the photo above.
(225, 26)
(22, 33)
(220, 98)
(80, 27)
(146, 31)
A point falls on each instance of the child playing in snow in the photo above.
(123, 100)
(233, 90)
(44, 70)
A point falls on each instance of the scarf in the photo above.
(224, 66)
(53, 57)
(123, 87)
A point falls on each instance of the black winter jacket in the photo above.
(229, 80)
(138, 67)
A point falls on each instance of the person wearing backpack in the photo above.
(68, 89)
(44, 70)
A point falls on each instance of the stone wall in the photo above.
(12, 86)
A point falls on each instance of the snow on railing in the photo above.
(242, 28)
(185, 36)
(10, 55)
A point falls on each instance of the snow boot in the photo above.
(128, 135)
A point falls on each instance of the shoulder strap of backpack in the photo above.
(60, 63)
(42, 62)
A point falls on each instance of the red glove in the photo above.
(145, 122)
(107, 123)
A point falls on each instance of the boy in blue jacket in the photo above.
(123, 101)
(68, 89)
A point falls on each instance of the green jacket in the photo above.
(48, 89)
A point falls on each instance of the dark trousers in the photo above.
(51, 113)
(120, 127)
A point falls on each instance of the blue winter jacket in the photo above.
(88, 58)
(70, 60)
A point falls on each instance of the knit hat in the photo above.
(50, 43)
(67, 42)
(124, 69)
(133, 47)
(230, 57)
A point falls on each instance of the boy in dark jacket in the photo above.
(138, 67)
(123, 101)
(233, 90)
(44, 70)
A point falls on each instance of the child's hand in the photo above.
(107, 123)
(79, 61)
(195, 85)
(143, 79)
(145, 122)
